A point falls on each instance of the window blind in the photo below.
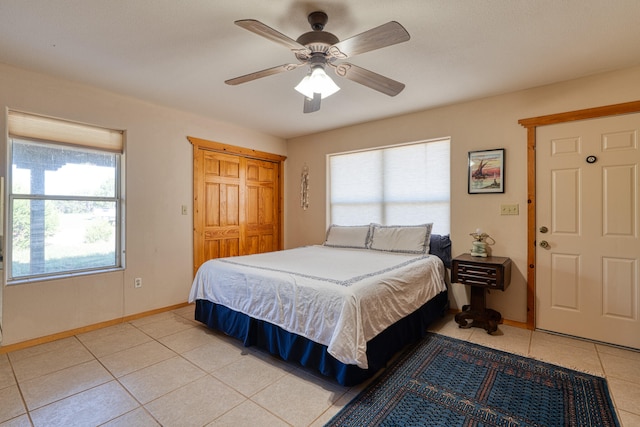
(30, 126)
(398, 185)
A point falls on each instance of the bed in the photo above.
(343, 308)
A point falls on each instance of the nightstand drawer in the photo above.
(471, 274)
(489, 272)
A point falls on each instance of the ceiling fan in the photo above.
(319, 49)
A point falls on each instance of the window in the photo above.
(397, 185)
(65, 199)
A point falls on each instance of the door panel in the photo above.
(619, 276)
(565, 281)
(218, 248)
(222, 207)
(587, 281)
(217, 206)
(619, 200)
(565, 207)
(261, 206)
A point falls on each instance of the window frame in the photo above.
(118, 199)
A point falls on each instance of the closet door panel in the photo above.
(262, 185)
(218, 205)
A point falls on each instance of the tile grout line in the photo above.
(24, 402)
(143, 406)
(140, 405)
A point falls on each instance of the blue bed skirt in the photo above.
(297, 349)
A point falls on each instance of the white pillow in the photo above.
(348, 236)
(411, 239)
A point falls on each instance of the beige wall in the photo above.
(158, 181)
(478, 125)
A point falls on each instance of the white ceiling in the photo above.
(178, 53)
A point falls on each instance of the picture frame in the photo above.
(486, 171)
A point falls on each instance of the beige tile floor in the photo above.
(169, 370)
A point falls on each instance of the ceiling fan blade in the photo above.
(385, 35)
(263, 73)
(369, 78)
(311, 105)
(263, 30)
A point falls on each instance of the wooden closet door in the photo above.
(261, 207)
(218, 208)
(237, 205)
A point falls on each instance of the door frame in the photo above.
(531, 124)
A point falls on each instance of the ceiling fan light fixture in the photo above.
(317, 81)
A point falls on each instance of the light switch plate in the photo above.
(511, 209)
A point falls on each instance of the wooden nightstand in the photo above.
(481, 274)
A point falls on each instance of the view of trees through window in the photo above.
(64, 203)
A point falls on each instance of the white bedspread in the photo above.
(337, 297)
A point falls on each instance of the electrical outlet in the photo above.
(509, 209)
(137, 282)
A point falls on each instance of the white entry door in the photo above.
(588, 244)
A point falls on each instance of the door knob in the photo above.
(543, 229)
(544, 244)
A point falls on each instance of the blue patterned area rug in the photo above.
(447, 382)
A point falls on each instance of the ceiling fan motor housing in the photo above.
(318, 40)
(317, 20)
